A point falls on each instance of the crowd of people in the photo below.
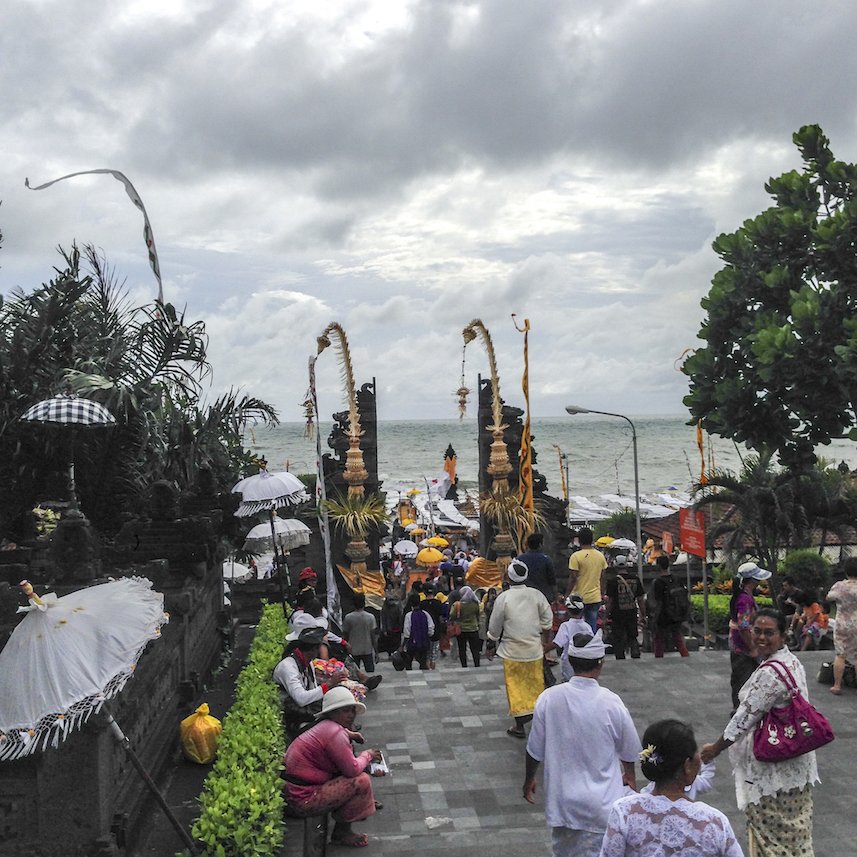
(581, 734)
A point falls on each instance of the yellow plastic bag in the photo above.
(200, 734)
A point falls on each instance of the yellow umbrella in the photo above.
(604, 541)
(417, 531)
(438, 542)
(413, 492)
(429, 556)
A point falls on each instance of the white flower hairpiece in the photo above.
(651, 755)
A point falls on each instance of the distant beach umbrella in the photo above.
(405, 548)
(429, 556)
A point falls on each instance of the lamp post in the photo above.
(576, 409)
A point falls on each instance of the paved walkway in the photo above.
(457, 776)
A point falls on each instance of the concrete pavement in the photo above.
(456, 776)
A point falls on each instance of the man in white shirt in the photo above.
(521, 620)
(586, 739)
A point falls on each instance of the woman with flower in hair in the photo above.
(666, 823)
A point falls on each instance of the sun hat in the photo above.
(307, 574)
(517, 571)
(336, 698)
(750, 569)
(304, 622)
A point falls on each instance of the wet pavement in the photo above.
(456, 776)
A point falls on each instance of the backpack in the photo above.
(625, 594)
(676, 606)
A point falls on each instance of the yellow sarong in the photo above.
(525, 680)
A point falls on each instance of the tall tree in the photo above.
(779, 367)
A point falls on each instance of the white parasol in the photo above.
(67, 658)
(405, 548)
(288, 532)
(265, 492)
(237, 572)
(622, 544)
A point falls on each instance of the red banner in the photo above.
(692, 532)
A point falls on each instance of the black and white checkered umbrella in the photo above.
(71, 411)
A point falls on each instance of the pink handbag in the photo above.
(793, 730)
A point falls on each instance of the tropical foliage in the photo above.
(718, 611)
(779, 366)
(146, 365)
(242, 800)
(620, 525)
(356, 516)
(809, 570)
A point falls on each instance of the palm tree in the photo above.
(762, 510)
(146, 365)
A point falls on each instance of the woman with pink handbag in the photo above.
(772, 784)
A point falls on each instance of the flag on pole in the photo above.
(703, 479)
(148, 235)
(525, 468)
(449, 462)
(334, 607)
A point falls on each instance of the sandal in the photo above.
(836, 691)
(378, 806)
(516, 733)
(351, 840)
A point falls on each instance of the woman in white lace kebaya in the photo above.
(665, 823)
(776, 796)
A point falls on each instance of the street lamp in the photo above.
(576, 409)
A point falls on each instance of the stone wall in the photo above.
(85, 798)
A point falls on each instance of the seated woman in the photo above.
(809, 622)
(665, 823)
(302, 694)
(323, 774)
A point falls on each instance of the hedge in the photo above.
(718, 611)
(242, 799)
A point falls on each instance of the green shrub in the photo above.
(718, 611)
(242, 800)
(809, 570)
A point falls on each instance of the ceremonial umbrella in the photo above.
(69, 412)
(604, 541)
(67, 658)
(437, 542)
(267, 492)
(429, 556)
(288, 534)
(405, 548)
(622, 544)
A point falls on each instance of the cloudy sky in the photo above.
(403, 166)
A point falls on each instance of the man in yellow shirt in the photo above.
(586, 577)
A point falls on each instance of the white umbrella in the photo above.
(405, 548)
(288, 532)
(267, 492)
(622, 544)
(264, 492)
(67, 657)
(237, 571)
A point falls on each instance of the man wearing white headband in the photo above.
(584, 735)
(521, 620)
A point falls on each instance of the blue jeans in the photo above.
(590, 614)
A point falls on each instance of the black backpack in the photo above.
(676, 605)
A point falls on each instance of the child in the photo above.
(574, 625)
(810, 622)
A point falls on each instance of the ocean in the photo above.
(599, 450)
